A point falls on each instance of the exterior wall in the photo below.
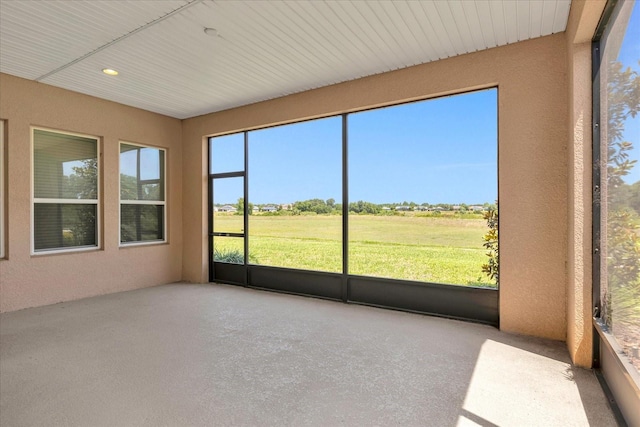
(29, 281)
(533, 135)
(583, 19)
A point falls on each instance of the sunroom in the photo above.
(355, 152)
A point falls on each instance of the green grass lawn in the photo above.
(411, 247)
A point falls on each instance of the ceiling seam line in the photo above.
(123, 37)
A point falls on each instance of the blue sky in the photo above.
(437, 151)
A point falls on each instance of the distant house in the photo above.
(420, 208)
(457, 207)
(227, 208)
(269, 209)
(403, 208)
(286, 207)
(476, 208)
(386, 208)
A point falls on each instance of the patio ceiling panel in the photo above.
(37, 37)
(264, 50)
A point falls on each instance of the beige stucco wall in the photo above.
(583, 20)
(533, 179)
(29, 281)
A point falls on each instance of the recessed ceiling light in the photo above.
(110, 71)
(211, 32)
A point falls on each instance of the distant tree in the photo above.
(240, 207)
(318, 206)
(364, 207)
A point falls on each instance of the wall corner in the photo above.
(583, 19)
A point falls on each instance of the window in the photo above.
(422, 180)
(142, 194)
(227, 219)
(619, 154)
(295, 190)
(2, 196)
(355, 206)
(422, 183)
(65, 191)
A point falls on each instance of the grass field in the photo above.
(411, 247)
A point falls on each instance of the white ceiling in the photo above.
(265, 49)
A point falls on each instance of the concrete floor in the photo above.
(189, 355)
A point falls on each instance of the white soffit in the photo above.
(265, 49)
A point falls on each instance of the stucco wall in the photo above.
(583, 20)
(29, 281)
(533, 135)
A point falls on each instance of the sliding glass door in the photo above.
(227, 211)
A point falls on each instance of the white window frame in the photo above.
(3, 237)
(35, 200)
(142, 202)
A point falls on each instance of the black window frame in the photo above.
(476, 304)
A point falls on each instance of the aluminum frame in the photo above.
(453, 301)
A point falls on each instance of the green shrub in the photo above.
(492, 267)
(233, 256)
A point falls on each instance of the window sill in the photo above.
(621, 377)
(139, 244)
(64, 251)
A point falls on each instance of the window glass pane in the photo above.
(141, 223)
(227, 153)
(620, 174)
(228, 249)
(295, 189)
(141, 173)
(228, 205)
(421, 176)
(150, 164)
(65, 166)
(59, 225)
